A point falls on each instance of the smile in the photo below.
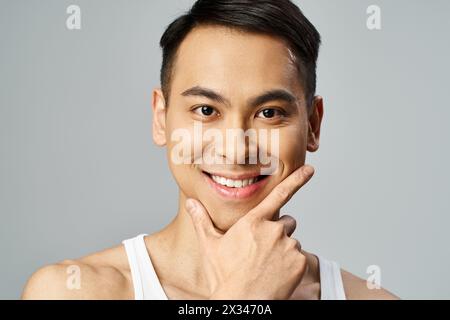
(234, 183)
(236, 186)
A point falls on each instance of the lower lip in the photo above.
(236, 193)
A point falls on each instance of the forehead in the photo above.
(234, 62)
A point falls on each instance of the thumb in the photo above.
(203, 225)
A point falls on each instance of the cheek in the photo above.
(293, 149)
(179, 152)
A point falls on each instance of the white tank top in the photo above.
(147, 286)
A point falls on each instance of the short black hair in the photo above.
(280, 18)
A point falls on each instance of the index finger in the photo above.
(282, 193)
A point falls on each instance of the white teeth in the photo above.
(233, 183)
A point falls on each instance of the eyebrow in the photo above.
(271, 95)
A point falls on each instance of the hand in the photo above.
(255, 258)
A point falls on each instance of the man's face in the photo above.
(218, 75)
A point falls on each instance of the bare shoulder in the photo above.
(356, 289)
(102, 275)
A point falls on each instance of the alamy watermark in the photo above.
(374, 278)
(73, 21)
(73, 281)
(236, 146)
(374, 19)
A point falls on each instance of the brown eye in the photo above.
(269, 113)
(205, 111)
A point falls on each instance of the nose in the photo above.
(239, 145)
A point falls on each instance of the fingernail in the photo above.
(190, 205)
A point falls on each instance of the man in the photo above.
(227, 65)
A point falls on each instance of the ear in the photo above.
(315, 120)
(159, 117)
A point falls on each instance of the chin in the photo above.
(224, 216)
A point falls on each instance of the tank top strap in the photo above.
(331, 284)
(145, 280)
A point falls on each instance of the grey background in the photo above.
(79, 172)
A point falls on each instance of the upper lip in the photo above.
(235, 175)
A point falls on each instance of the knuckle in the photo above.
(299, 247)
(301, 258)
(278, 229)
(305, 174)
(298, 263)
(294, 244)
(300, 175)
(301, 266)
(282, 193)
